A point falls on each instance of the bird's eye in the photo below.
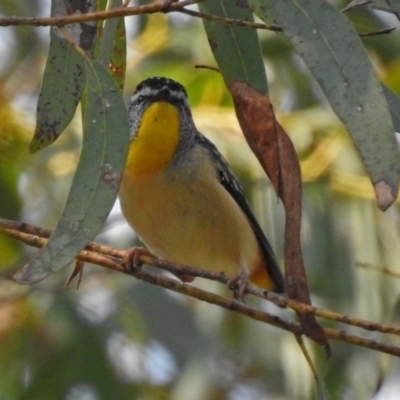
(140, 99)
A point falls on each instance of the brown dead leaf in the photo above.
(277, 155)
(385, 195)
(78, 271)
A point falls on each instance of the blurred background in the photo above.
(119, 338)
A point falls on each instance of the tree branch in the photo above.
(148, 259)
(229, 21)
(111, 258)
(381, 270)
(156, 7)
(384, 31)
(94, 16)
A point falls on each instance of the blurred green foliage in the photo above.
(116, 338)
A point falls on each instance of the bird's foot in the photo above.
(238, 285)
(131, 261)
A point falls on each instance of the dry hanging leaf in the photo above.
(276, 153)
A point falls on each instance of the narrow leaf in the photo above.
(80, 33)
(64, 74)
(394, 105)
(101, 5)
(107, 38)
(62, 87)
(276, 153)
(110, 48)
(392, 6)
(336, 58)
(236, 49)
(96, 180)
(117, 64)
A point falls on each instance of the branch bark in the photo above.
(156, 7)
(111, 258)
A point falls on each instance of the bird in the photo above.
(182, 199)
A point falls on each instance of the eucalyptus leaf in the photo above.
(392, 6)
(236, 49)
(394, 105)
(80, 33)
(62, 87)
(110, 47)
(96, 180)
(336, 58)
(108, 36)
(117, 63)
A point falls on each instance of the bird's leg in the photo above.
(238, 284)
(131, 261)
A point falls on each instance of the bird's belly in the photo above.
(189, 222)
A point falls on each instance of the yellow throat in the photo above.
(156, 140)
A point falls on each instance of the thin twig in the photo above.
(230, 21)
(211, 67)
(331, 315)
(124, 11)
(160, 280)
(155, 7)
(14, 229)
(382, 270)
(282, 301)
(377, 33)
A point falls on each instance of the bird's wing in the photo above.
(229, 181)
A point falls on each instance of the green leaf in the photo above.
(64, 75)
(95, 185)
(336, 58)
(394, 105)
(110, 48)
(82, 34)
(236, 49)
(118, 55)
(107, 38)
(101, 5)
(61, 91)
(392, 6)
